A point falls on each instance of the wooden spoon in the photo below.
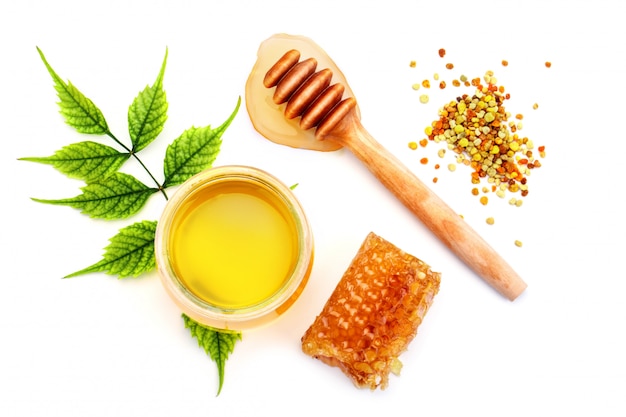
(320, 105)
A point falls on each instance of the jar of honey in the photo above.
(234, 248)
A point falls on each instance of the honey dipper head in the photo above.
(284, 107)
(308, 93)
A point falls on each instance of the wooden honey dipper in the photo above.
(309, 95)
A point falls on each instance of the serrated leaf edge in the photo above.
(217, 133)
(54, 159)
(76, 201)
(101, 266)
(233, 336)
(65, 86)
(157, 86)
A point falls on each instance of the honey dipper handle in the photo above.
(447, 225)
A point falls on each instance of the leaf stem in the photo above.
(134, 155)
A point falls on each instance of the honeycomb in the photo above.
(373, 313)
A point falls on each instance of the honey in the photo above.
(233, 247)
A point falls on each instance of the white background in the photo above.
(98, 346)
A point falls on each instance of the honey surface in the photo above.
(233, 245)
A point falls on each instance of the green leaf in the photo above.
(130, 253)
(194, 151)
(218, 344)
(88, 161)
(78, 111)
(148, 113)
(115, 197)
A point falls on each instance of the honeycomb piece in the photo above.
(373, 313)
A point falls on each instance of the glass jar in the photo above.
(233, 247)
